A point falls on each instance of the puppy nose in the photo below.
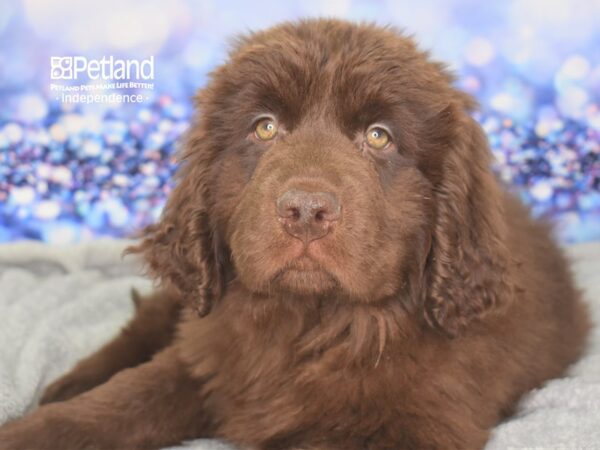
(308, 215)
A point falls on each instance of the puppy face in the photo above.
(334, 159)
(326, 160)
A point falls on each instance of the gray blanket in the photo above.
(58, 304)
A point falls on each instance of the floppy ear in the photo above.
(181, 251)
(467, 275)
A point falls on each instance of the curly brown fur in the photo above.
(431, 304)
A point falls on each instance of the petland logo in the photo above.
(107, 68)
(78, 79)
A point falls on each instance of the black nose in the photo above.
(308, 215)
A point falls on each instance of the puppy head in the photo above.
(331, 159)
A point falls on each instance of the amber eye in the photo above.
(266, 129)
(377, 138)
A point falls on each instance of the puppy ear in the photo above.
(467, 274)
(181, 250)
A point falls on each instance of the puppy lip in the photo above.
(304, 275)
(304, 263)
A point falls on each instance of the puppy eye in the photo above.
(266, 129)
(377, 138)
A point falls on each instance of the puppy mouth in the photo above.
(304, 275)
(303, 263)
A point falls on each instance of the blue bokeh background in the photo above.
(71, 172)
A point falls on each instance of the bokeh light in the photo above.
(71, 172)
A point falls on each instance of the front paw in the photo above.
(29, 433)
(51, 428)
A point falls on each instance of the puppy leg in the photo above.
(150, 330)
(153, 405)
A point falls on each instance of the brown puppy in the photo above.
(356, 276)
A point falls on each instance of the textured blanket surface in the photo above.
(58, 304)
